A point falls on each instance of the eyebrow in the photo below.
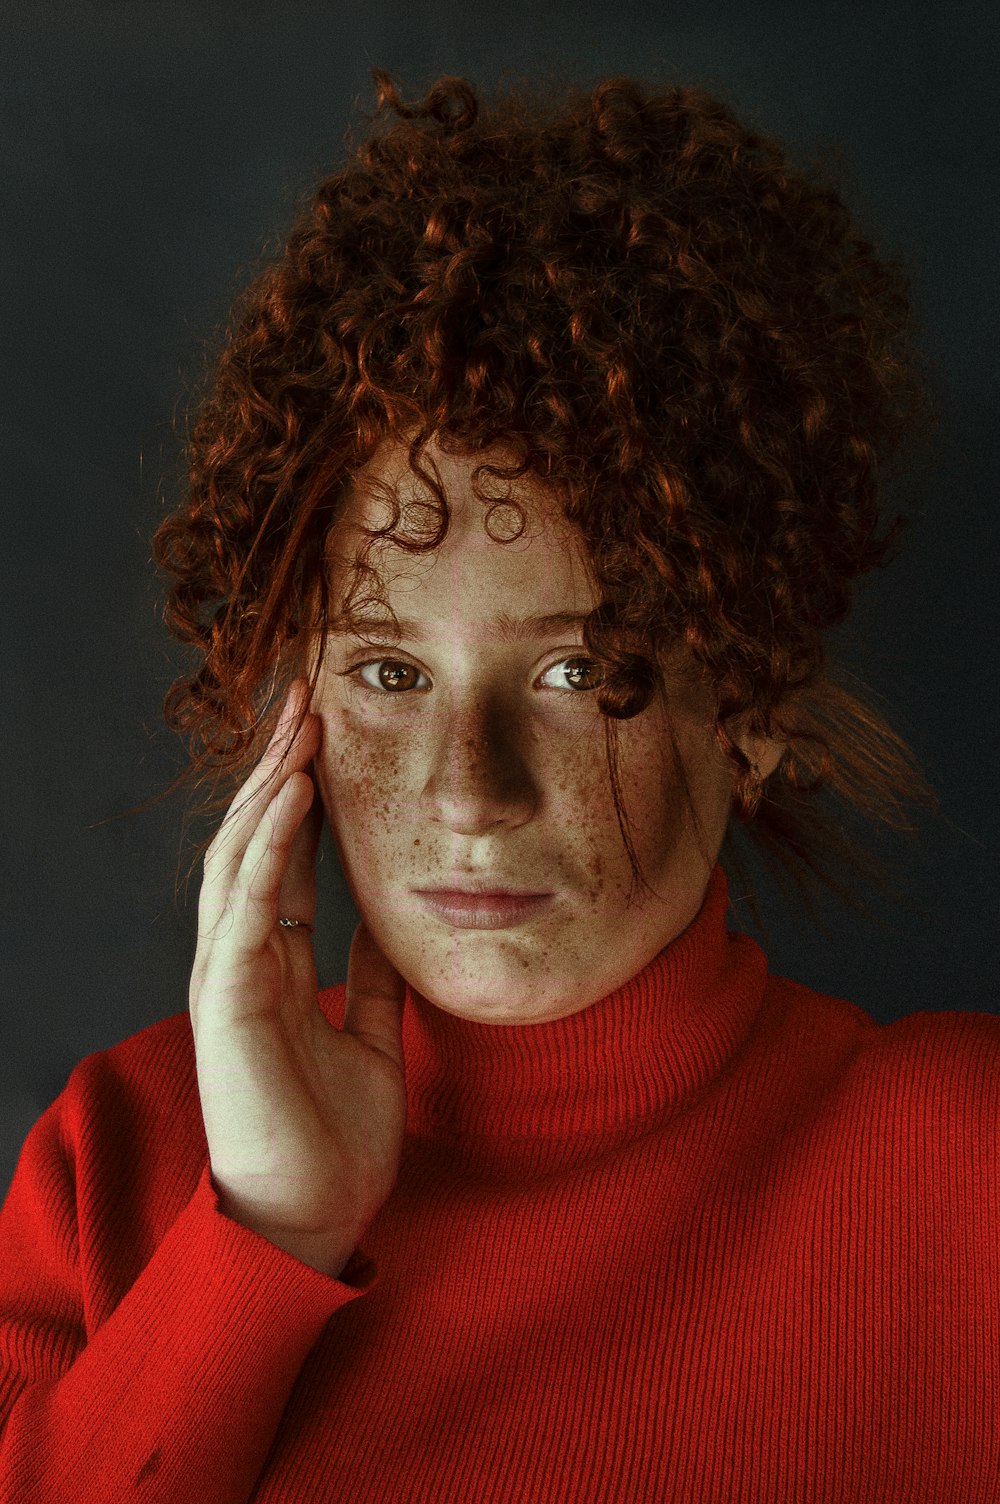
(503, 626)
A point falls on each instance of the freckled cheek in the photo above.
(651, 802)
(579, 788)
(363, 783)
(583, 839)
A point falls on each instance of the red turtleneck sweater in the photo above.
(715, 1238)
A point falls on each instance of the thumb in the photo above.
(375, 996)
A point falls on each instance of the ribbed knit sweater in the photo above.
(716, 1237)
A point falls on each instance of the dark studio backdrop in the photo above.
(151, 153)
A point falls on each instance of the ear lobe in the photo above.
(748, 788)
(764, 753)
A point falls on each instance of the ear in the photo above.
(763, 752)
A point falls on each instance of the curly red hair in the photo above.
(684, 336)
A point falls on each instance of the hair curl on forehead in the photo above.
(685, 337)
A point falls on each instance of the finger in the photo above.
(227, 850)
(254, 897)
(283, 753)
(297, 899)
(298, 890)
(375, 996)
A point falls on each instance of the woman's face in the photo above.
(473, 755)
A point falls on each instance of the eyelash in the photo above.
(355, 673)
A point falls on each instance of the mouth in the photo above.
(481, 887)
(479, 908)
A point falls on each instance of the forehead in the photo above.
(489, 565)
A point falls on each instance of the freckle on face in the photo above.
(490, 772)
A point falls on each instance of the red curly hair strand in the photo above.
(684, 337)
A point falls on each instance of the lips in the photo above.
(482, 908)
(482, 892)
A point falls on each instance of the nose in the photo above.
(479, 777)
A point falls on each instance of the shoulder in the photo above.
(154, 1066)
(946, 1064)
(118, 1154)
(131, 1115)
(952, 1056)
(927, 1081)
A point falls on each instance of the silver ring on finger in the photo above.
(295, 924)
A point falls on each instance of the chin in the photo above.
(494, 995)
(508, 996)
(477, 1009)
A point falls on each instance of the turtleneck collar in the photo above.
(523, 1098)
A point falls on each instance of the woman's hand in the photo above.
(304, 1121)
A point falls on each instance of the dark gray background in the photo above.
(151, 151)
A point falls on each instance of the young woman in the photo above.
(533, 475)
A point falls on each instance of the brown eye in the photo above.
(392, 676)
(578, 673)
(389, 675)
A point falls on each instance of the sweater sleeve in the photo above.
(170, 1390)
